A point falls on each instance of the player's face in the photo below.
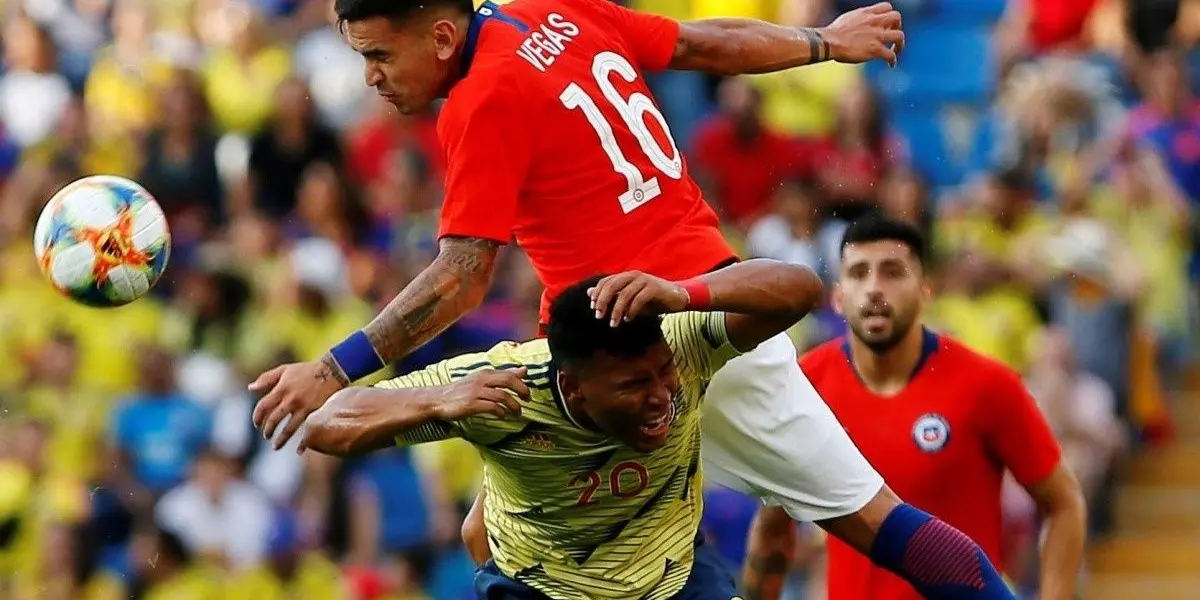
(408, 63)
(881, 291)
(628, 399)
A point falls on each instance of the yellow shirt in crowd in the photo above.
(242, 93)
(123, 98)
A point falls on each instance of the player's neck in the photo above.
(887, 373)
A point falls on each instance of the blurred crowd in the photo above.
(1059, 201)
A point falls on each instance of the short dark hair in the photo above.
(877, 227)
(576, 335)
(361, 10)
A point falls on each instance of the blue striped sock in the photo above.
(941, 562)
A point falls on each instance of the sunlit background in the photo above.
(1050, 150)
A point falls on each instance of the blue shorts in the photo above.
(710, 579)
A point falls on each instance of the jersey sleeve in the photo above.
(700, 342)
(1017, 433)
(650, 37)
(479, 429)
(489, 149)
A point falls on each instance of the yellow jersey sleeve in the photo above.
(480, 429)
(700, 342)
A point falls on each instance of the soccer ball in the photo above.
(102, 240)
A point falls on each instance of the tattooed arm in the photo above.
(451, 286)
(747, 46)
(769, 554)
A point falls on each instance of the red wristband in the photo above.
(699, 296)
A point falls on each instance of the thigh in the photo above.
(710, 579)
(491, 584)
(768, 432)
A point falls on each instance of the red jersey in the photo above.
(552, 138)
(943, 444)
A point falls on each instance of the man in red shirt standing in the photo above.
(940, 422)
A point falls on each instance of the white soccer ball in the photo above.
(103, 241)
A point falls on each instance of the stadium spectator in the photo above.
(180, 166)
(850, 163)
(241, 76)
(798, 232)
(29, 73)
(1080, 408)
(123, 84)
(157, 431)
(217, 515)
(738, 159)
(292, 140)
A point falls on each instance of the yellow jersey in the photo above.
(570, 511)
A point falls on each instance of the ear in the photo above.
(926, 290)
(445, 39)
(836, 299)
(572, 391)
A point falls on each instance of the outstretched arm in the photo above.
(451, 286)
(747, 46)
(361, 419)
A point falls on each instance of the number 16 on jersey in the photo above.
(633, 110)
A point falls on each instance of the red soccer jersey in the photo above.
(552, 139)
(942, 444)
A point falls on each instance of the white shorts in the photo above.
(768, 433)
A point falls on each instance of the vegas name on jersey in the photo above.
(569, 511)
(552, 138)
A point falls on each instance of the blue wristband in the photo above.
(356, 356)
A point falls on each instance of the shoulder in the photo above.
(534, 355)
(485, 91)
(983, 373)
(688, 328)
(824, 359)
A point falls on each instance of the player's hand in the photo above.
(492, 392)
(295, 390)
(865, 34)
(625, 296)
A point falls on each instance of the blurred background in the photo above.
(1050, 149)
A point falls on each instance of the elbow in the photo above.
(1073, 506)
(804, 290)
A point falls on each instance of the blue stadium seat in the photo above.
(960, 12)
(939, 139)
(939, 64)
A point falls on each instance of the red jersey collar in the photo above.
(487, 10)
(930, 342)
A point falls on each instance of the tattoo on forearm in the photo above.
(764, 574)
(332, 370)
(453, 284)
(818, 48)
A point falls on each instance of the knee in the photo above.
(771, 518)
(772, 527)
(860, 528)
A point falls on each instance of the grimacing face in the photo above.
(881, 291)
(410, 63)
(628, 399)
